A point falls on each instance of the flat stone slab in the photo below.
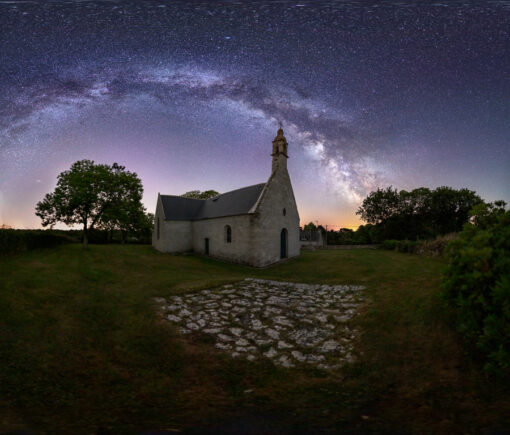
(289, 323)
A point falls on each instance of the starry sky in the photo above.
(190, 95)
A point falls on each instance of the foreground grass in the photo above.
(81, 351)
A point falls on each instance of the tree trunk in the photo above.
(85, 236)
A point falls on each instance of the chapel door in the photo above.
(283, 244)
(206, 246)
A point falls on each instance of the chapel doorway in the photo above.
(283, 244)
(206, 246)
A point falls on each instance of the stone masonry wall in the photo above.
(239, 250)
(174, 236)
(270, 220)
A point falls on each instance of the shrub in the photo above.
(408, 246)
(435, 247)
(390, 245)
(399, 245)
(12, 241)
(477, 284)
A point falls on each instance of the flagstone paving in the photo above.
(289, 323)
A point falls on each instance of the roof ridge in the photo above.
(185, 197)
(219, 194)
(235, 190)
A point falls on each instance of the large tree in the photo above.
(125, 212)
(93, 195)
(379, 205)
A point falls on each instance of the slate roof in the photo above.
(179, 208)
(232, 203)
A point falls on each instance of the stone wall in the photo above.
(239, 250)
(174, 236)
(269, 220)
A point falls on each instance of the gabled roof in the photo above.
(232, 203)
(179, 208)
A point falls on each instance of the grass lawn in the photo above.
(82, 351)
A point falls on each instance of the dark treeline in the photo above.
(364, 235)
(100, 236)
(15, 241)
(420, 214)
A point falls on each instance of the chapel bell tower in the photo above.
(279, 155)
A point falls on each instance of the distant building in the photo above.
(256, 225)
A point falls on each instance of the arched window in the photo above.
(157, 229)
(284, 212)
(228, 234)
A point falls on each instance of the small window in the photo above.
(284, 212)
(157, 229)
(228, 234)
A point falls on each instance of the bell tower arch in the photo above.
(279, 155)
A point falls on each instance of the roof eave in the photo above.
(214, 217)
(262, 194)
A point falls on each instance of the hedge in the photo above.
(399, 245)
(14, 241)
(433, 247)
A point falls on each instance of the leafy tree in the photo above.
(420, 213)
(144, 228)
(197, 194)
(486, 215)
(476, 283)
(125, 212)
(310, 226)
(93, 195)
(379, 205)
(344, 236)
(366, 234)
(449, 208)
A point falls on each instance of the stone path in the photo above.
(289, 323)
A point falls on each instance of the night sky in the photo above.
(189, 96)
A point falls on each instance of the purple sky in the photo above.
(189, 96)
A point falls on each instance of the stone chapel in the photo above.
(255, 225)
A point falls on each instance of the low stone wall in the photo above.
(351, 246)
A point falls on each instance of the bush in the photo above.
(408, 246)
(12, 241)
(389, 245)
(435, 247)
(476, 284)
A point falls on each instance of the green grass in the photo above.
(81, 350)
